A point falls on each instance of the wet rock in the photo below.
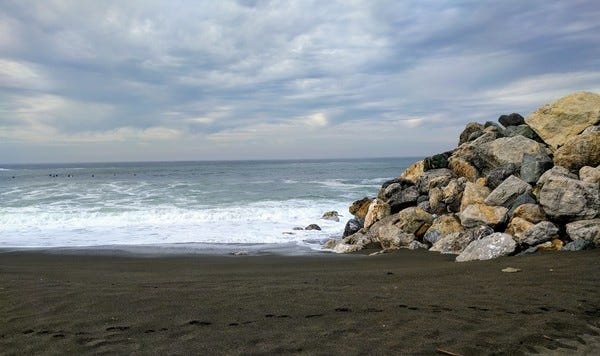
(491, 246)
(331, 215)
(441, 226)
(578, 245)
(534, 165)
(566, 117)
(413, 172)
(570, 199)
(507, 192)
(378, 209)
(585, 230)
(481, 214)
(352, 226)
(513, 119)
(360, 208)
(579, 151)
(473, 194)
(312, 227)
(590, 174)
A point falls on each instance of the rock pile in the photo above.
(529, 184)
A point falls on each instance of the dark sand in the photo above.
(401, 303)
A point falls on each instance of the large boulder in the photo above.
(496, 176)
(481, 214)
(413, 172)
(402, 199)
(360, 208)
(352, 243)
(436, 201)
(525, 198)
(517, 227)
(491, 246)
(585, 230)
(507, 150)
(566, 117)
(456, 242)
(590, 174)
(463, 168)
(453, 193)
(436, 161)
(530, 212)
(513, 119)
(378, 209)
(534, 165)
(441, 226)
(389, 235)
(538, 233)
(472, 127)
(522, 130)
(507, 192)
(413, 220)
(473, 194)
(352, 226)
(570, 199)
(579, 151)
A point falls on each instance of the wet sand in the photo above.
(409, 302)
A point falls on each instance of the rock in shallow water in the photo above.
(492, 246)
(312, 227)
(331, 215)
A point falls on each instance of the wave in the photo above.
(6, 169)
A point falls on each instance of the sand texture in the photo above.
(408, 302)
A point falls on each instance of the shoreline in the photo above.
(404, 302)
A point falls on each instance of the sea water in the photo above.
(200, 205)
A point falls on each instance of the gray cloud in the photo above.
(184, 79)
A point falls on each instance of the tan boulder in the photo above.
(590, 174)
(360, 208)
(481, 214)
(413, 172)
(566, 117)
(518, 226)
(441, 226)
(463, 168)
(378, 209)
(412, 220)
(579, 151)
(508, 150)
(530, 212)
(473, 194)
(553, 245)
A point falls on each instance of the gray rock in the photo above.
(434, 178)
(491, 246)
(522, 130)
(507, 150)
(312, 227)
(578, 245)
(585, 230)
(456, 242)
(570, 199)
(472, 127)
(403, 199)
(525, 198)
(352, 226)
(416, 245)
(331, 215)
(554, 172)
(513, 119)
(389, 235)
(441, 226)
(590, 174)
(507, 192)
(497, 175)
(528, 251)
(539, 233)
(534, 165)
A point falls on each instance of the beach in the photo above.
(407, 302)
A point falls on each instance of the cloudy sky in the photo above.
(196, 80)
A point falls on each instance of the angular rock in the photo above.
(492, 246)
(453, 193)
(570, 199)
(441, 226)
(471, 128)
(352, 226)
(360, 208)
(553, 173)
(481, 214)
(507, 192)
(579, 151)
(436, 161)
(530, 212)
(566, 117)
(517, 227)
(413, 172)
(392, 237)
(578, 245)
(401, 181)
(412, 220)
(456, 242)
(473, 194)
(522, 130)
(538, 233)
(590, 174)
(434, 178)
(403, 199)
(513, 119)
(525, 198)
(507, 150)
(378, 209)
(436, 201)
(533, 166)
(463, 168)
(585, 230)
(331, 215)
(496, 176)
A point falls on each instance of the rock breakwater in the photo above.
(528, 184)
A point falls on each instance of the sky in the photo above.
(88, 81)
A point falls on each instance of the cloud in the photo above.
(233, 73)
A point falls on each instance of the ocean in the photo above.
(222, 206)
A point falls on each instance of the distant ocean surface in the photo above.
(189, 205)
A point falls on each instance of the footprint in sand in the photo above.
(117, 328)
(343, 310)
(199, 322)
